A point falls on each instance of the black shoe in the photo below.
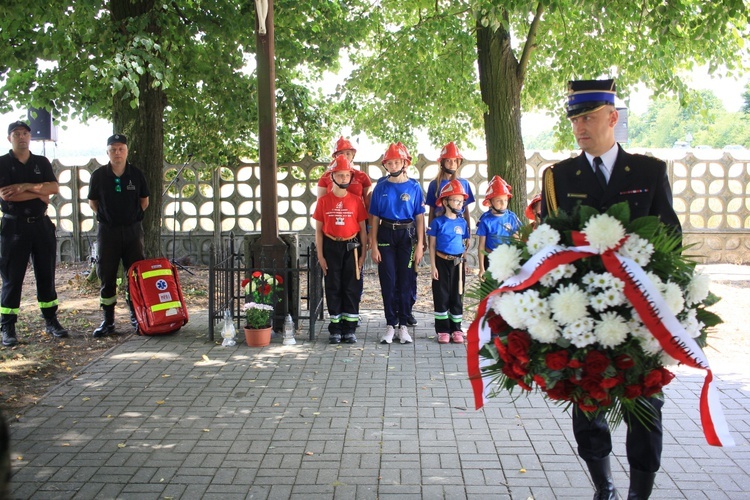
(9, 334)
(411, 320)
(55, 328)
(104, 329)
(334, 338)
(350, 338)
(133, 321)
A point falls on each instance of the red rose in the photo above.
(509, 372)
(574, 364)
(593, 388)
(279, 279)
(650, 391)
(244, 282)
(556, 360)
(502, 351)
(539, 380)
(611, 382)
(666, 376)
(624, 362)
(587, 407)
(653, 378)
(560, 391)
(497, 323)
(518, 345)
(266, 289)
(257, 274)
(519, 370)
(633, 391)
(523, 385)
(596, 362)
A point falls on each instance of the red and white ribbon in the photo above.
(646, 300)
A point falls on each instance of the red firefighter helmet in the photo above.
(452, 188)
(340, 164)
(450, 150)
(496, 187)
(342, 145)
(396, 151)
(530, 213)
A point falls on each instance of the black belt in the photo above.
(448, 256)
(28, 220)
(396, 225)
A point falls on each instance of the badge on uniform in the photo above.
(131, 186)
(405, 197)
(458, 230)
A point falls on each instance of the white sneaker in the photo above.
(403, 334)
(387, 338)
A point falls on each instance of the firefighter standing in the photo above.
(118, 194)
(26, 183)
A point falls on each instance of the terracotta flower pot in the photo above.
(258, 337)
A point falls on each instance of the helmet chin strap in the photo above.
(447, 170)
(343, 185)
(496, 211)
(457, 211)
(396, 174)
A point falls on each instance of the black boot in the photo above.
(9, 334)
(55, 328)
(601, 476)
(641, 484)
(108, 325)
(133, 317)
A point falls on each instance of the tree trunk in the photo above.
(143, 126)
(501, 93)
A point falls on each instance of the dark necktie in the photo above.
(599, 172)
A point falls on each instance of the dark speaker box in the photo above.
(42, 129)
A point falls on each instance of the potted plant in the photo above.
(262, 291)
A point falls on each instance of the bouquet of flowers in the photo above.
(590, 308)
(262, 291)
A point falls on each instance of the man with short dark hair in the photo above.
(26, 183)
(118, 194)
(601, 176)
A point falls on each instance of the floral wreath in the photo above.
(588, 308)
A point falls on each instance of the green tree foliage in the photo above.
(703, 122)
(417, 66)
(746, 99)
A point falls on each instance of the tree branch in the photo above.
(530, 43)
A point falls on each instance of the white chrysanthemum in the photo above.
(637, 248)
(569, 304)
(603, 232)
(543, 236)
(668, 360)
(673, 297)
(505, 260)
(544, 330)
(532, 306)
(650, 345)
(598, 302)
(583, 339)
(562, 271)
(507, 307)
(658, 283)
(611, 330)
(589, 278)
(636, 327)
(691, 324)
(581, 332)
(613, 297)
(697, 290)
(617, 284)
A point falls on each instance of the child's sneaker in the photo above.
(444, 338)
(387, 338)
(350, 338)
(403, 334)
(334, 338)
(457, 337)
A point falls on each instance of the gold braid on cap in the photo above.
(548, 184)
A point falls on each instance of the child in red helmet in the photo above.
(339, 229)
(449, 235)
(450, 161)
(534, 210)
(497, 224)
(397, 239)
(360, 184)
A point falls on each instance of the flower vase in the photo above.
(258, 337)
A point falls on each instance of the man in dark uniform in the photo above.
(118, 194)
(603, 175)
(26, 183)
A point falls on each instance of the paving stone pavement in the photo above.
(181, 417)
